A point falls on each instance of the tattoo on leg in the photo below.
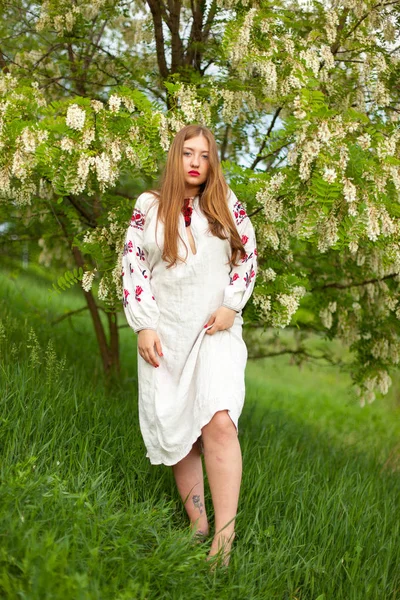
(197, 503)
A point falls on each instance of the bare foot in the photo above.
(221, 549)
(200, 534)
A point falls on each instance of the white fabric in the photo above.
(199, 374)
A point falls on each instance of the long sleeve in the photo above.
(139, 304)
(243, 276)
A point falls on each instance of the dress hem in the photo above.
(180, 455)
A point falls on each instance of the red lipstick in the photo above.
(194, 173)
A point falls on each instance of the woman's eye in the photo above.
(186, 153)
(206, 157)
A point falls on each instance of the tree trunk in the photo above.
(109, 352)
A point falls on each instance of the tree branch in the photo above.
(159, 35)
(79, 209)
(343, 286)
(297, 352)
(270, 128)
(69, 314)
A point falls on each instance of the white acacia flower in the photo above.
(114, 102)
(380, 349)
(88, 137)
(5, 179)
(326, 317)
(84, 164)
(276, 181)
(381, 94)
(28, 139)
(364, 141)
(349, 190)
(103, 289)
(291, 303)
(328, 235)
(242, 41)
(292, 156)
(327, 57)
(373, 229)
(269, 274)
(263, 303)
(164, 133)
(75, 117)
(386, 147)
(270, 236)
(384, 381)
(103, 167)
(19, 167)
(87, 279)
(353, 246)
(394, 174)
(324, 134)
(332, 21)
(387, 224)
(67, 144)
(343, 157)
(298, 111)
(329, 175)
(312, 60)
(89, 237)
(116, 151)
(267, 70)
(69, 20)
(97, 105)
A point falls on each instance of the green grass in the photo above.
(85, 516)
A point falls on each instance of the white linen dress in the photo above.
(199, 374)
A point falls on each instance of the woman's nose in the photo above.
(195, 162)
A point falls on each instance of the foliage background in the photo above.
(304, 102)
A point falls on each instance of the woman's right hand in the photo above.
(147, 340)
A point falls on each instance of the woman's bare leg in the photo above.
(188, 474)
(223, 459)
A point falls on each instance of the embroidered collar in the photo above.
(187, 210)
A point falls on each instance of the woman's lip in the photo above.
(194, 173)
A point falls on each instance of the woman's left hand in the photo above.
(221, 319)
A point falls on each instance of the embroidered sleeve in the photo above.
(242, 277)
(139, 303)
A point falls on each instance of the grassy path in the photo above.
(85, 516)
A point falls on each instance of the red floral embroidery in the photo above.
(247, 257)
(244, 239)
(239, 212)
(128, 247)
(248, 277)
(187, 211)
(125, 299)
(235, 276)
(137, 219)
(140, 253)
(138, 291)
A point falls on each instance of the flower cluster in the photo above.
(87, 279)
(289, 304)
(75, 117)
(326, 314)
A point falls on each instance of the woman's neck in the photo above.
(191, 191)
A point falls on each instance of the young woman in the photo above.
(188, 268)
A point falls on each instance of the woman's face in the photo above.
(195, 161)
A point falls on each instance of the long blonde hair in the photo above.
(212, 198)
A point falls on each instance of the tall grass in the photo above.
(85, 516)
